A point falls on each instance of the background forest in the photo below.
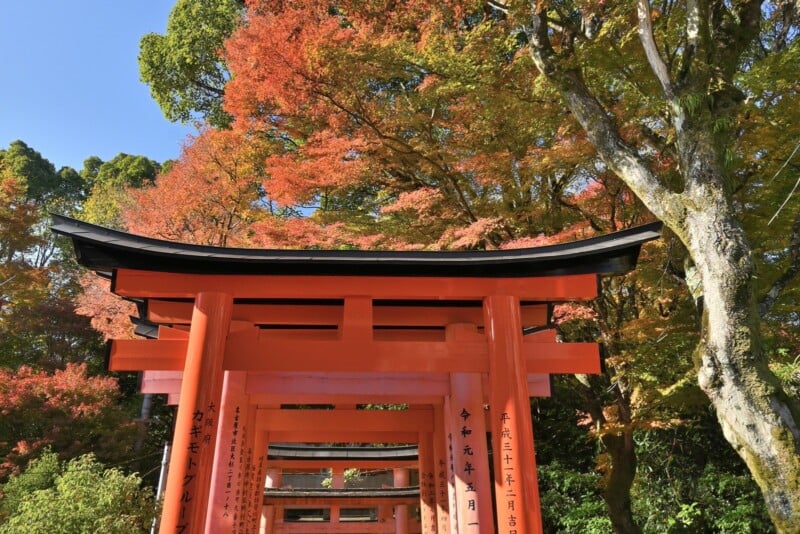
(471, 125)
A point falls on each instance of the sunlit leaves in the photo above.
(81, 495)
(207, 196)
(67, 409)
(184, 67)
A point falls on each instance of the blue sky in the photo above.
(70, 81)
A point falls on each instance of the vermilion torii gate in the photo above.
(241, 332)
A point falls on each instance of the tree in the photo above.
(37, 324)
(183, 68)
(67, 410)
(109, 182)
(79, 496)
(209, 195)
(17, 218)
(694, 103)
(45, 184)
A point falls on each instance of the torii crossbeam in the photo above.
(462, 337)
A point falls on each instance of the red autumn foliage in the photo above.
(68, 410)
(109, 313)
(207, 197)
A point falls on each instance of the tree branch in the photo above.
(208, 88)
(651, 50)
(601, 130)
(693, 20)
(792, 270)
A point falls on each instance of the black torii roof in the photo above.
(301, 451)
(102, 249)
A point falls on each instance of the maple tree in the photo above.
(208, 196)
(67, 410)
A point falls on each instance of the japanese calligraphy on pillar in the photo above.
(441, 486)
(452, 478)
(430, 490)
(228, 506)
(440, 464)
(239, 495)
(257, 483)
(509, 475)
(427, 483)
(469, 466)
(199, 440)
(247, 476)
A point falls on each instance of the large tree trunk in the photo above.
(620, 471)
(757, 417)
(617, 489)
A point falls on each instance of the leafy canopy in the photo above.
(79, 496)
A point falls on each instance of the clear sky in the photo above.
(70, 85)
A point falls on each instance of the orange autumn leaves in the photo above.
(68, 410)
(373, 125)
(207, 197)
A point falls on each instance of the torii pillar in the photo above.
(516, 489)
(186, 495)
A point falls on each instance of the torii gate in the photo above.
(240, 332)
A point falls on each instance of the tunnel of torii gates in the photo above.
(239, 338)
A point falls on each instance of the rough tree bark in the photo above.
(759, 420)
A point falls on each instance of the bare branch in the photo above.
(693, 21)
(788, 198)
(498, 5)
(651, 50)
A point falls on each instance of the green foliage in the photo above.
(184, 68)
(788, 372)
(690, 481)
(39, 475)
(571, 501)
(110, 182)
(351, 476)
(123, 170)
(45, 185)
(80, 496)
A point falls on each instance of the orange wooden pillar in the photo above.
(191, 462)
(516, 489)
(246, 485)
(427, 483)
(260, 450)
(451, 466)
(440, 467)
(467, 436)
(223, 504)
(470, 455)
(337, 482)
(400, 475)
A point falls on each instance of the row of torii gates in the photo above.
(244, 337)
